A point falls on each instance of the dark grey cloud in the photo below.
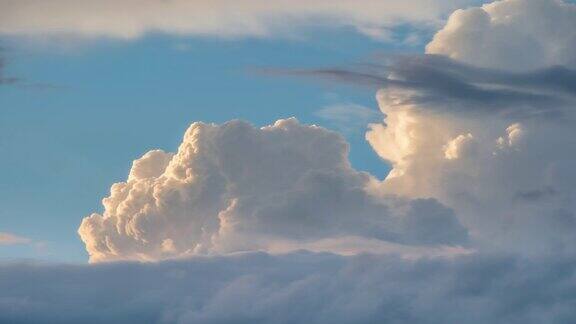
(442, 83)
(536, 194)
(294, 288)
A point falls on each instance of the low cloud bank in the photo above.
(294, 288)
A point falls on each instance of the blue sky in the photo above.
(107, 102)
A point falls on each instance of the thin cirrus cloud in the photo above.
(134, 18)
(13, 239)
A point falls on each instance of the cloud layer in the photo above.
(294, 288)
(130, 19)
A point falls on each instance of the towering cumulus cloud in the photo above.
(509, 177)
(234, 187)
(511, 34)
(481, 171)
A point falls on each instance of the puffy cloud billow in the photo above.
(483, 127)
(504, 167)
(512, 35)
(234, 187)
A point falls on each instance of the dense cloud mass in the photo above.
(295, 288)
(511, 34)
(509, 181)
(235, 187)
(129, 19)
(508, 177)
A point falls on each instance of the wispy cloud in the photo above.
(13, 239)
(130, 19)
(447, 84)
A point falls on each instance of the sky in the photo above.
(320, 161)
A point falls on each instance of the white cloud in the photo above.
(514, 134)
(511, 34)
(510, 179)
(12, 239)
(482, 167)
(456, 147)
(129, 19)
(234, 187)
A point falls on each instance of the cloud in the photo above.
(479, 166)
(13, 239)
(233, 187)
(507, 175)
(294, 288)
(476, 219)
(511, 35)
(513, 58)
(462, 140)
(130, 19)
(444, 84)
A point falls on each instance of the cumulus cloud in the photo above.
(468, 141)
(294, 288)
(511, 184)
(130, 19)
(511, 35)
(508, 177)
(234, 187)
